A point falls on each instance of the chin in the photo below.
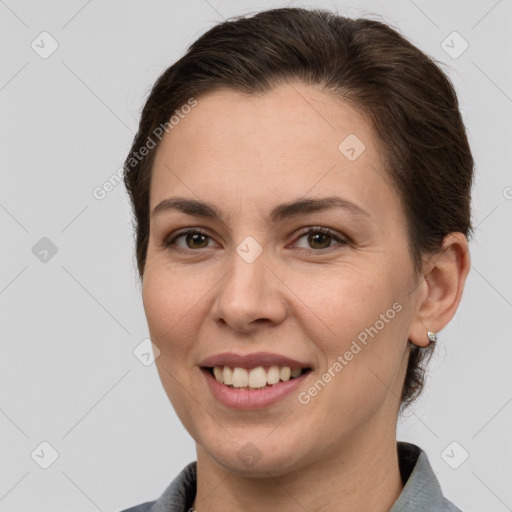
(257, 457)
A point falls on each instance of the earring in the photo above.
(432, 336)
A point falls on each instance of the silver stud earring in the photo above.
(432, 336)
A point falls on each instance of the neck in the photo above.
(358, 476)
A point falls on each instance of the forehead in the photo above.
(292, 140)
(289, 116)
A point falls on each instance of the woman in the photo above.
(301, 189)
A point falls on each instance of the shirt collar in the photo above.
(421, 492)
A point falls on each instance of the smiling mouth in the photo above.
(260, 377)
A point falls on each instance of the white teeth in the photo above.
(219, 374)
(256, 378)
(240, 377)
(273, 375)
(285, 373)
(227, 375)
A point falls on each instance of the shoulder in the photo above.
(177, 497)
(144, 507)
(421, 492)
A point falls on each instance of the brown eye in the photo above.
(320, 238)
(194, 239)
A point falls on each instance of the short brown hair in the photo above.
(408, 99)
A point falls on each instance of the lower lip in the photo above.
(246, 399)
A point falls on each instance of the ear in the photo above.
(444, 277)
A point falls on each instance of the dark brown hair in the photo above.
(407, 98)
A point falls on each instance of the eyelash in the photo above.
(305, 231)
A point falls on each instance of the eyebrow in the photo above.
(280, 212)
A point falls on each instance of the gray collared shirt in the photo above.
(421, 492)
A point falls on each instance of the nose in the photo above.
(250, 295)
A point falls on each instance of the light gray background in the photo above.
(68, 375)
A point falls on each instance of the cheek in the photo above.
(170, 301)
(166, 315)
(359, 321)
(343, 301)
(170, 314)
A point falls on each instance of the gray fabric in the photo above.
(421, 492)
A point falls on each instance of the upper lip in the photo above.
(251, 360)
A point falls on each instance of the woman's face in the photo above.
(263, 279)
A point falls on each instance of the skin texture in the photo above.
(306, 300)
